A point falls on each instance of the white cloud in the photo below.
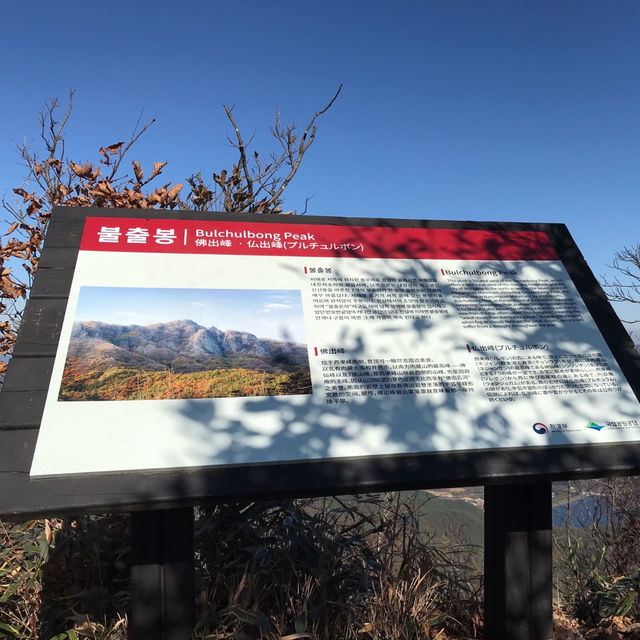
(274, 306)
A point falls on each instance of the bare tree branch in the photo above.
(624, 287)
(52, 180)
(133, 138)
(243, 157)
(255, 185)
(304, 145)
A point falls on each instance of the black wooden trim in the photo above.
(128, 491)
(16, 453)
(58, 257)
(596, 301)
(28, 374)
(40, 331)
(52, 283)
(64, 231)
(19, 409)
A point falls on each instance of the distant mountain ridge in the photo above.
(182, 344)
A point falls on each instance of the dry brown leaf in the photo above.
(7, 287)
(34, 207)
(55, 163)
(82, 171)
(104, 187)
(114, 148)
(174, 191)
(12, 228)
(157, 169)
(137, 169)
(47, 531)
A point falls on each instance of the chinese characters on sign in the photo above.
(191, 343)
(200, 239)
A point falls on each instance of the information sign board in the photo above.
(378, 351)
(195, 343)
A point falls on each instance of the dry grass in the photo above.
(330, 569)
(327, 569)
(64, 579)
(324, 569)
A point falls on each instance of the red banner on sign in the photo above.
(320, 241)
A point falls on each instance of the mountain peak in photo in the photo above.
(158, 345)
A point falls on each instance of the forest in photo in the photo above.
(176, 360)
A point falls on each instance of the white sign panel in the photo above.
(203, 343)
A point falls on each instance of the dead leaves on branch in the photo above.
(137, 169)
(88, 188)
(255, 187)
(25, 250)
(106, 152)
(75, 185)
(83, 185)
(55, 164)
(237, 194)
(35, 203)
(8, 288)
(82, 171)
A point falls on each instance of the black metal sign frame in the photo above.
(23, 396)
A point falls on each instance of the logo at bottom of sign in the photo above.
(542, 429)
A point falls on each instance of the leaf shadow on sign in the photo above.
(375, 440)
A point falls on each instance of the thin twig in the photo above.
(132, 140)
(243, 156)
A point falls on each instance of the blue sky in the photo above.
(265, 313)
(465, 110)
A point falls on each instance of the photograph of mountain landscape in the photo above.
(108, 359)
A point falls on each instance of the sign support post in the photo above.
(518, 562)
(162, 580)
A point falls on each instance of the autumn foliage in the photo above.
(53, 180)
(117, 383)
(56, 182)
